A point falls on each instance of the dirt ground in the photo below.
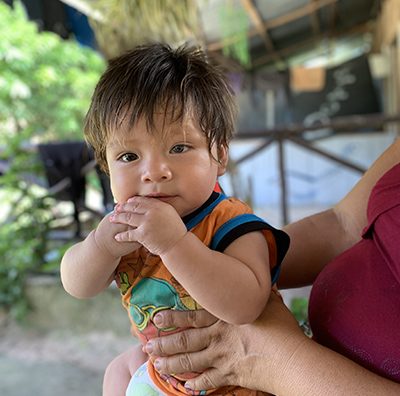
(55, 363)
(61, 362)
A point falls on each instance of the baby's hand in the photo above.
(153, 223)
(105, 238)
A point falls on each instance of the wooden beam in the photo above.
(284, 52)
(315, 20)
(283, 181)
(276, 22)
(256, 18)
(332, 24)
(309, 146)
(298, 13)
(343, 124)
(255, 151)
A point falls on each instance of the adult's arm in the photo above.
(271, 355)
(317, 239)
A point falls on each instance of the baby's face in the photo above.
(170, 162)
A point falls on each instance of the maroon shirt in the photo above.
(355, 301)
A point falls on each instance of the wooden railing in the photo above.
(304, 136)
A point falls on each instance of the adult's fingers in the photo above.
(184, 363)
(179, 319)
(191, 340)
(209, 379)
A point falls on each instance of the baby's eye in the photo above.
(179, 148)
(128, 157)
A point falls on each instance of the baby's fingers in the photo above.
(139, 205)
(128, 218)
(126, 236)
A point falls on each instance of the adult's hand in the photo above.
(252, 355)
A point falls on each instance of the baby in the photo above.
(160, 123)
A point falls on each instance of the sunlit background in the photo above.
(317, 83)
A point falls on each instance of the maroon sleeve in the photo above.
(384, 219)
(387, 238)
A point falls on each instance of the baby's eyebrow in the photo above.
(185, 129)
(116, 142)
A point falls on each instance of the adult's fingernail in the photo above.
(149, 347)
(158, 320)
(157, 365)
(187, 386)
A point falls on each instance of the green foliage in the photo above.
(45, 89)
(299, 308)
(23, 233)
(234, 25)
(45, 82)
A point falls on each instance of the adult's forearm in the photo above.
(314, 241)
(315, 370)
(317, 239)
(287, 363)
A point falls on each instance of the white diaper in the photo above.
(142, 385)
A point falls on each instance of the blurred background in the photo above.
(318, 87)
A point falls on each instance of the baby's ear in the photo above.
(222, 159)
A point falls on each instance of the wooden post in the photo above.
(282, 175)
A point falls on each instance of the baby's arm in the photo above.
(88, 267)
(233, 285)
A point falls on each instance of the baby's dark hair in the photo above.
(153, 77)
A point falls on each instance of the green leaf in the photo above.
(45, 89)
